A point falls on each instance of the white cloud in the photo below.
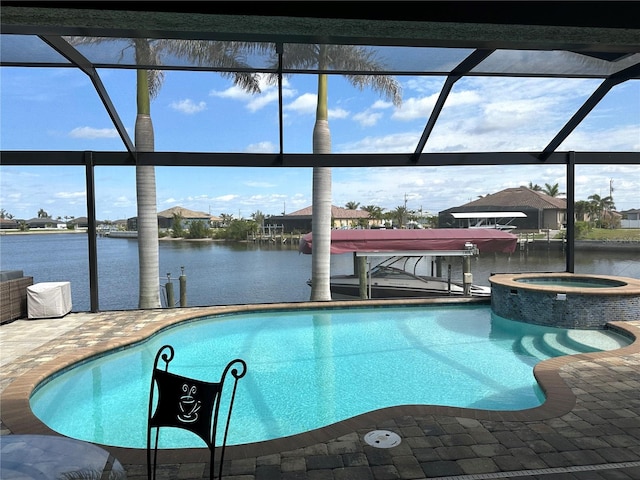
(234, 92)
(254, 184)
(414, 108)
(123, 201)
(268, 95)
(437, 188)
(399, 142)
(367, 118)
(261, 147)
(617, 139)
(463, 98)
(14, 196)
(338, 113)
(92, 133)
(421, 107)
(256, 101)
(226, 198)
(188, 106)
(305, 104)
(69, 195)
(381, 104)
(424, 85)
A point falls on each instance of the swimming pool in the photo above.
(311, 368)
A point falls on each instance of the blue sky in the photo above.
(58, 109)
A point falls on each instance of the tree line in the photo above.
(595, 212)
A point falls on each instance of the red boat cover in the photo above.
(486, 239)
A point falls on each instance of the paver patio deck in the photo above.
(588, 429)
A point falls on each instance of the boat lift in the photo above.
(437, 242)
(483, 219)
(363, 267)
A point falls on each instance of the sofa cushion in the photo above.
(10, 275)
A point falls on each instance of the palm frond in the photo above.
(301, 56)
(230, 56)
(75, 40)
(361, 59)
(345, 58)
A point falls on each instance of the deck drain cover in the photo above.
(382, 439)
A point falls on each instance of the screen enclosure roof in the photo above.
(448, 41)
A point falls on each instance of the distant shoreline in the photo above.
(581, 245)
(41, 232)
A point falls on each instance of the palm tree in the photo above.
(352, 205)
(600, 206)
(552, 190)
(581, 209)
(535, 188)
(149, 82)
(42, 213)
(375, 212)
(399, 215)
(338, 58)
(258, 217)
(225, 219)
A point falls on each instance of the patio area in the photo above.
(589, 428)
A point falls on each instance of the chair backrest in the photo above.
(189, 404)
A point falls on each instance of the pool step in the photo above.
(531, 345)
(571, 342)
(556, 344)
(596, 340)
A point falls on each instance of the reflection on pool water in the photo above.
(311, 368)
(574, 281)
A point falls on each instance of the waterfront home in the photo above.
(541, 210)
(8, 223)
(630, 218)
(46, 222)
(300, 220)
(165, 218)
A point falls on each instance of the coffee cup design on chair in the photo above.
(189, 406)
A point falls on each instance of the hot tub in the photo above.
(566, 300)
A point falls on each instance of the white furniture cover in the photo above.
(48, 299)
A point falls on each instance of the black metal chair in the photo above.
(189, 404)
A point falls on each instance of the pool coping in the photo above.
(631, 286)
(16, 413)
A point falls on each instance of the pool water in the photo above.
(311, 368)
(580, 282)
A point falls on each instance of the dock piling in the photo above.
(169, 290)
(183, 288)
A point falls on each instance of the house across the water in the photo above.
(300, 220)
(535, 210)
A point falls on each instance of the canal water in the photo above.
(239, 273)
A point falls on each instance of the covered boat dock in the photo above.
(437, 243)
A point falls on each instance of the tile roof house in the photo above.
(542, 211)
(46, 222)
(8, 223)
(300, 220)
(81, 222)
(165, 218)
